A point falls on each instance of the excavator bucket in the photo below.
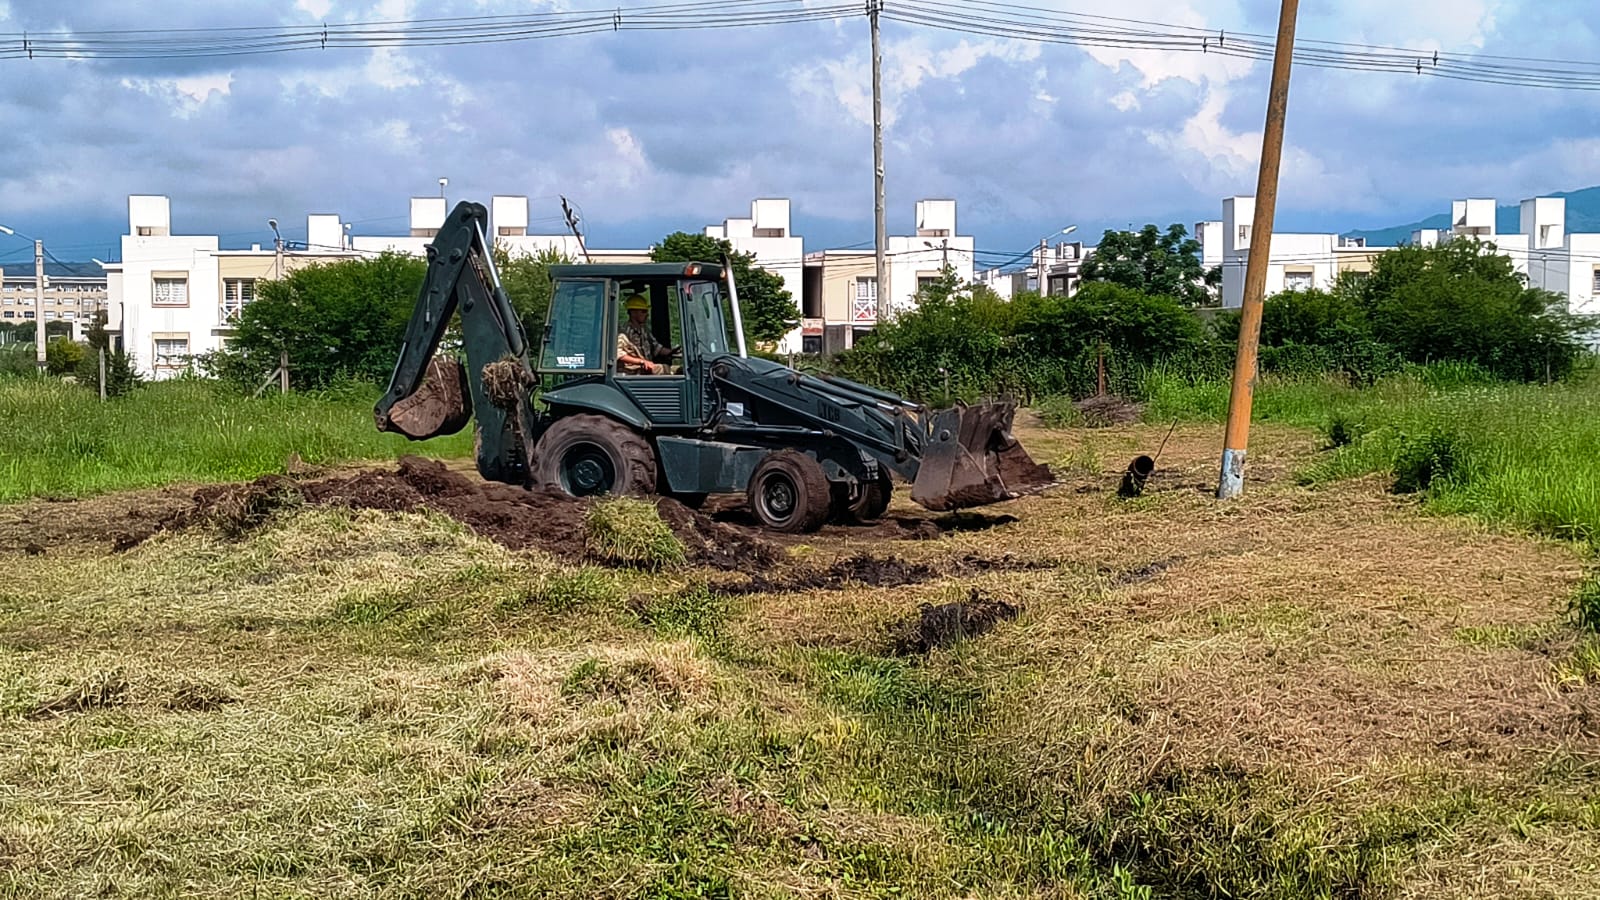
(442, 405)
(972, 459)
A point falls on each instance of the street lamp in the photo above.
(277, 246)
(1044, 244)
(442, 183)
(38, 298)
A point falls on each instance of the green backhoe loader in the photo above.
(559, 412)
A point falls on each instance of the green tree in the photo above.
(121, 375)
(343, 319)
(767, 307)
(63, 355)
(1154, 263)
(1464, 301)
(526, 279)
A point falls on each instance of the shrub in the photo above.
(1585, 603)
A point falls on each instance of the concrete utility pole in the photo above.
(1237, 437)
(38, 304)
(882, 241)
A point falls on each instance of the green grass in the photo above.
(58, 439)
(1515, 454)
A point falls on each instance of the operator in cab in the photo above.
(637, 349)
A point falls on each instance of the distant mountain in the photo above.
(1583, 215)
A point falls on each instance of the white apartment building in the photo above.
(840, 298)
(766, 235)
(1543, 250)
(177, 296)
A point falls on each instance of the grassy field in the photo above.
(60, 440)
(1312, 692)
(1523, 455)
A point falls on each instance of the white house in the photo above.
(919, 258)
(766, 235)
(1542, 249)
(176, 296)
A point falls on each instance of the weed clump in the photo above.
(696, 611)
(1437, 456)
(1343, 429)
(630, 532)
(1584, 605)
(586, 586)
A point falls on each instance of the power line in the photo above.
(989, 18)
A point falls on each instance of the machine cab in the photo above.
(675, 322)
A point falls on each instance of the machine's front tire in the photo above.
(789, 493)
(587, 455)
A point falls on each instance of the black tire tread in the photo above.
(637, 472)
(816, 494)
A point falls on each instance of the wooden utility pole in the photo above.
(1237, 437)
(882, 232)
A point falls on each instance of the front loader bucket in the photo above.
(441, 405)
(972, 459)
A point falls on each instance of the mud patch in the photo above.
(1141, 574)
(948, 623)
(511, 516)
(100, 691)
(865, 570)
(198, 696)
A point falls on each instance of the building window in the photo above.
(49, 315)
(11, 301)
(767, 232)
(1244, 234)
(69, 316)
(146, 231)
(170, 292)
(1297, 281)
(865, 307)
(1597, 279)
(10, 314)
(236, 292)
(28, 314)
(171, 352)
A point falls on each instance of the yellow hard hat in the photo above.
(636, 301)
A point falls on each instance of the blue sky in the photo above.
(651, 132)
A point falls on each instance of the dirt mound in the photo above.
(544, 519)
(947, 623)
(1107, 410)
(714, 543)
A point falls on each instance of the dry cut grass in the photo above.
(1308, 692)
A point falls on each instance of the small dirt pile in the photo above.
(947, 623)
(1108, 410)
(548, 520)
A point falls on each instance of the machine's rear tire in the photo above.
(789, 493)
(874, 501)
(587, 455)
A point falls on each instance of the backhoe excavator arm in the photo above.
(426, 396)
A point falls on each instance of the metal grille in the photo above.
(663, 400)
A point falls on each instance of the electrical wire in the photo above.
(988, 18)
